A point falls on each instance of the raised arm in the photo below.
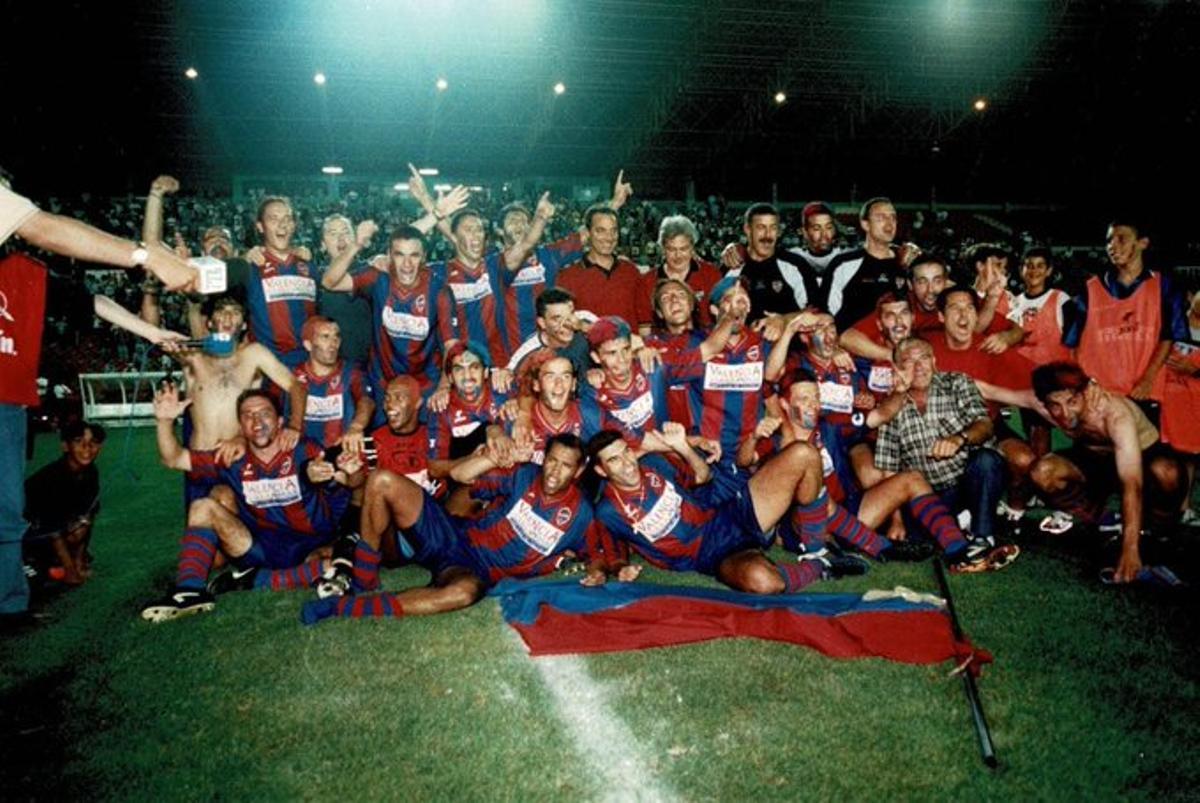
(515, 255)
(860, 345)
(675, 436)
(168, 407)
(337, 276)
(118, 316)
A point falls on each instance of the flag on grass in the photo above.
(562, 617)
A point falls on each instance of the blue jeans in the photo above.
(979, 490)
(14, 590)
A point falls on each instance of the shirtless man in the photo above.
(1116, 449)
(214, 381)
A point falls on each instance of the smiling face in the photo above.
(514, 226)
(804, 405)
(916, 361)
(675, 304)
(895, 321)
(603, 235)
(558, 324)
(823, 339)
(735, 305)
(336, 236)
(554, 383)
(406, 257)
(679, 251)
(616, 358)
(216, 243)
(819, 233)
(1035, 272)
(1125, 247)
(81, 451)
(1066, 408)
(467, 373)
(960, 317)
(619, 464)
(928, 281)
(880, 225)
(228, 318)
(401, 406)
(762, 232)
(470, 239)
(277, 225)
(560, 467)
(259, 421)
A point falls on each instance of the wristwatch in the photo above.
(140, 255)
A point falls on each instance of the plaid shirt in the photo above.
(953, 404)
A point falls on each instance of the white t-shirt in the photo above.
(14, 210)
(1023, 307)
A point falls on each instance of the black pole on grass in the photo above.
(987, 749)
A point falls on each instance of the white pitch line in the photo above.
(609, 747)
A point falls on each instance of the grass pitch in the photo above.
(1092, 695)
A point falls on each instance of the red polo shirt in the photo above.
(619, 291)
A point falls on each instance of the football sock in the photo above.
(196, 555)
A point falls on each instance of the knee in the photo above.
(1166, 474)
(802, 457)
(915, 484)
(1021, 459)
(462, 594)
(1044, 474)
(381, 482)
(202, 512)
(762, 578)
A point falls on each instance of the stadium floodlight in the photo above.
(780, 97)
(980, 104)
(427, 171)
(332, 170)
(192, 73)
(560, 88)
(319, 79)
(442, 187)
(442, 84)
(401, 187)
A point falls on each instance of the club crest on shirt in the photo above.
(419, 304)
(562, 516)
(776, 286)
(286, 466)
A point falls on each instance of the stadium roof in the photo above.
(1082, 97)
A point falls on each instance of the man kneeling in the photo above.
(274, 507)
(538, 520)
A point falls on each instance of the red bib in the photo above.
(22, 314)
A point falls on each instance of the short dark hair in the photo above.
(251, 393)
(929, 258)
(601, 441)
(944, 296)
(1039, 252)
(802, 375)
(982, 252)
(569, 440)
(407, 232)
(76, 427)
(598, 209)
(1133, 222)
(890, 297)
(864, 211)
(755, 210)
(458, 217)
(270, 199)
(552, 295)
(1056, 376)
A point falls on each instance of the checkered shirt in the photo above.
(953, 405)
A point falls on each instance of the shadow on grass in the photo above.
(35, 744)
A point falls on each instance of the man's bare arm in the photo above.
(1128, 455)
(860, 345)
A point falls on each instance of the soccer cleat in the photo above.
(1057, 523)
(180, 602)
(1011, 514)
(843, 566)
(234, 579)
(337, 580)
(820, 553)
(982, 555)
(907, 552)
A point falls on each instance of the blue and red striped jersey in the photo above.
(527, 282)
(543, 430)
(331, 403)
(473, 309)
(280, 296)
(526, 533)
(643, 405)
(277, 496)
(462, 426)
(678, 407)
(839, 388)
(404, 335)
(727, 403)
(663, 520)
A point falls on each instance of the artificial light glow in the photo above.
(780, 97)
(428, 171)
(442, 187)
(442, 84)
(401, 187)
(979, 105)
(319, 79)
(191, 73)
(332, 170)
(560, 88)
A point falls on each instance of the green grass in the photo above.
(1092, 694)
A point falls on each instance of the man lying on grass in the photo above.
(710, 519)
(272, 513)
(538, 520)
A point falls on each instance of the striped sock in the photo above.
(932, 514)
(846, 527)
(196, 555)
(373, 606)
(366, 567)
(808, 521)
(302, 576)
(797, 575)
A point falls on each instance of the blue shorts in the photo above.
(197, 488)
(437, 541)
(734, 528)
(272, 549)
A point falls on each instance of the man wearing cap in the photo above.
(820, 238)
